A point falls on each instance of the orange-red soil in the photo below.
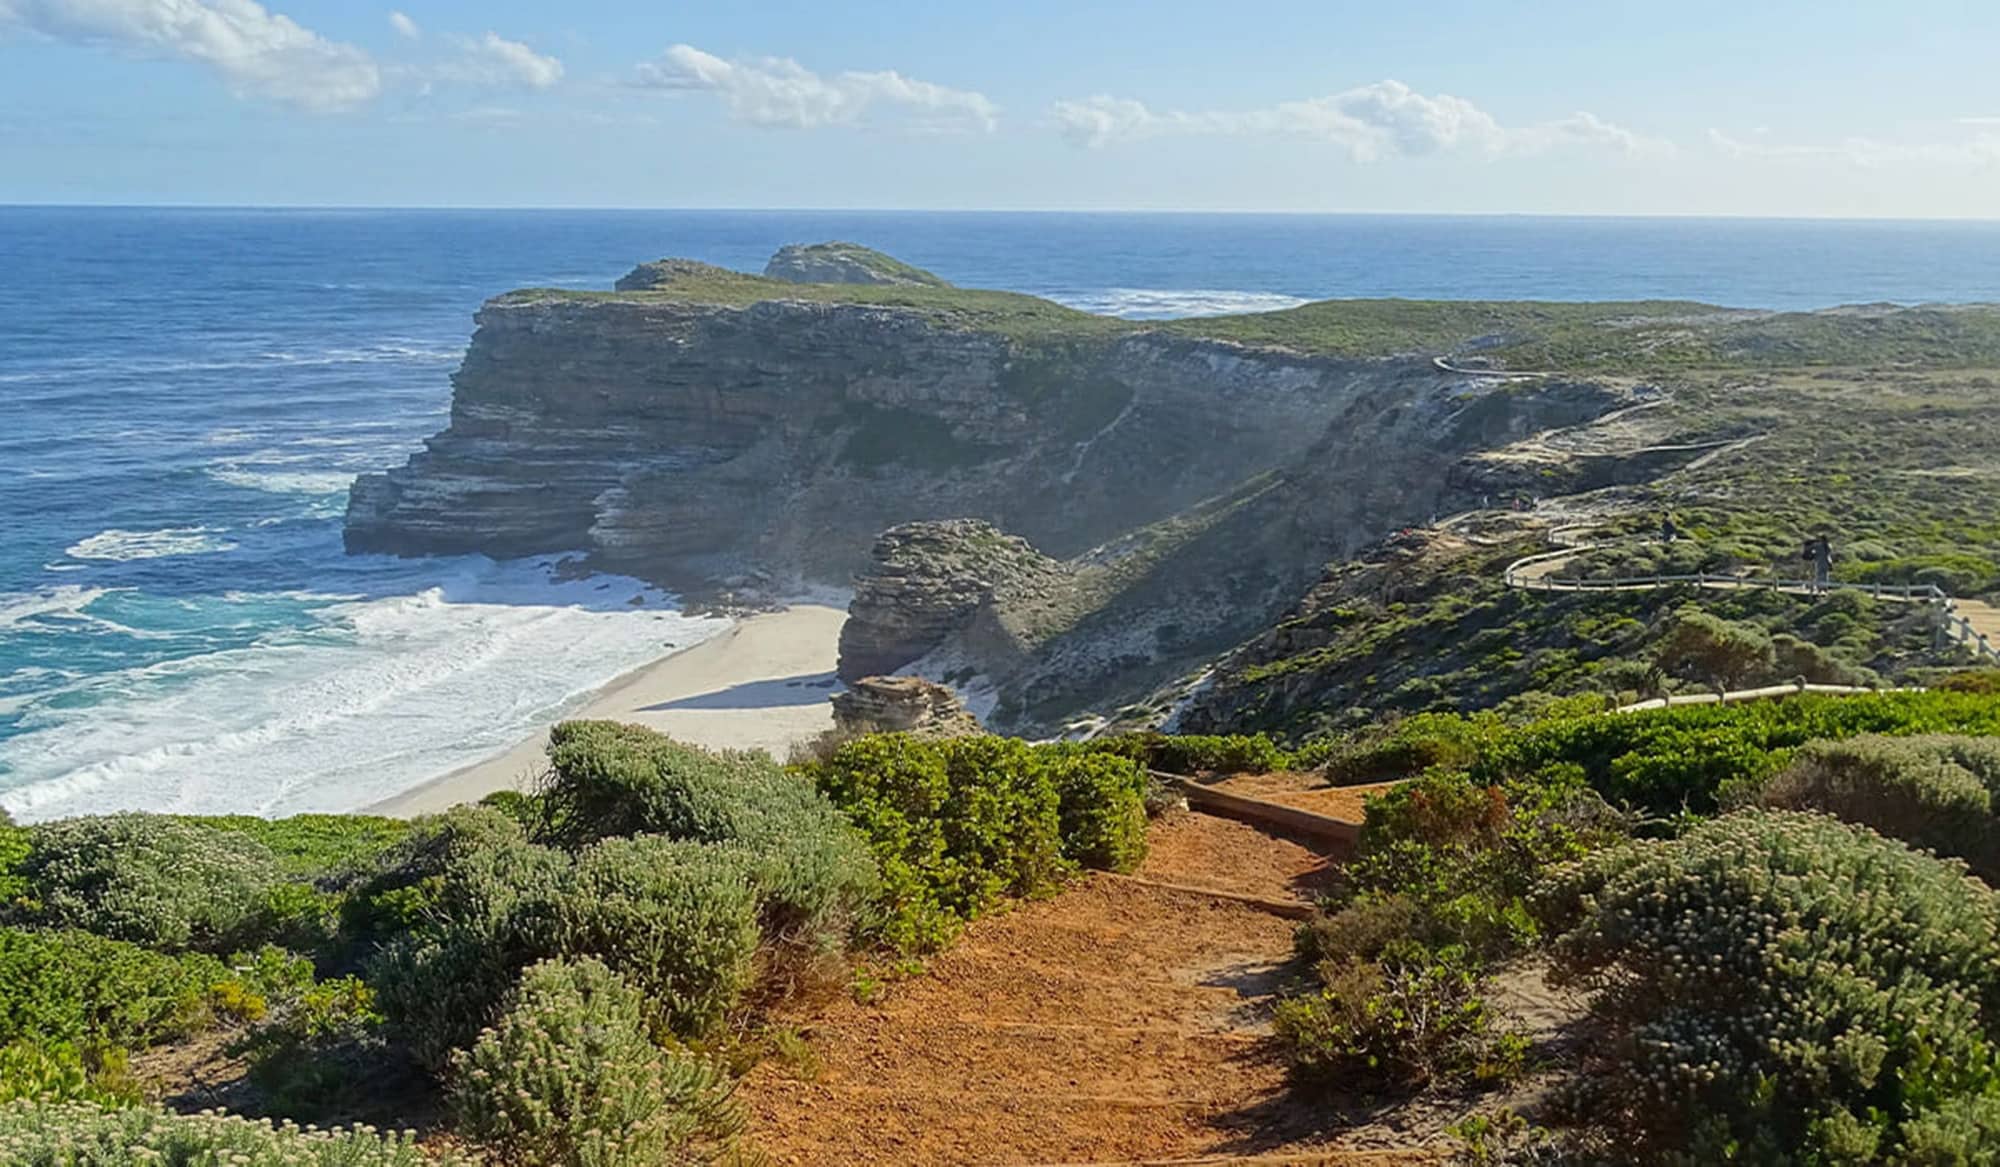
(1115, 1023)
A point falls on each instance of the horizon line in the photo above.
(1190, 212)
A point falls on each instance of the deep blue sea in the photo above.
(185, 394)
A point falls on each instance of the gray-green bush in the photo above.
(1934, 791)
(78, 1134)
(1784, 988)
(570, 1077)
(150, 879)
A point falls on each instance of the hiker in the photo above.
(1819, 550)
(1668, 531)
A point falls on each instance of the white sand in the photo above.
(763, 684)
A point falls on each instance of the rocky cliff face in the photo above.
(693, 442)
(1163, 495)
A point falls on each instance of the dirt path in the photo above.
(1115, 1023)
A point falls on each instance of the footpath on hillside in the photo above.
(1119, 1022)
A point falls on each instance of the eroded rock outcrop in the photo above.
(930, 581)
(844, 263)
(901, 705)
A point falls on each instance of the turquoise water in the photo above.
(185, 394)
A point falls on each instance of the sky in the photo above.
(1838, 108)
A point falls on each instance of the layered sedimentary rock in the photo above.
(694, 441)
(930, 580)
(704, 428)
(901, 705)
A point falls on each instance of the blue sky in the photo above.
(1756, 107)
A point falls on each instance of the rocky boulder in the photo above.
(902, 705)
(931, 580)
(844, 263)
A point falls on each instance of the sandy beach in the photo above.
(763, 684)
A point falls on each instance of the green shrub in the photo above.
(1399, 1025)
(316, 846)
(676, 919)
(150, 879)
(1931, 791)
(613, 780)
(1466, 855)
(321, 1054)
(1982, 681)
(569, 1076)
(56, 1071)
(77, 1134)
(484, 912)
(398, 894)
(1721, 653)
(954, 825)
(1782, 987)
(1667, 760)
(1102, 801)
(1196, 753)
(14, 848)
(1411, 745)
(89, 990)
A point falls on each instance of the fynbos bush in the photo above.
(569, 1076)
(77, 1134)
(1930, 791)
(150, 879)
(1782, 987)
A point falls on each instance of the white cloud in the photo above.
(778, 93)
(257, 53)
(405, 27)
(1976, 150)
(494, 60)
(1375, 121)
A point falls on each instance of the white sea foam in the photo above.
(389, 692)
(1169, 304)
(119, 546)
(21, 607)
(315, 482)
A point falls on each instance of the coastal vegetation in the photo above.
(572, 976)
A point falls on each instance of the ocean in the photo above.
(186, 393)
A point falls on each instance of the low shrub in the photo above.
(316, 846)
(612, 780)
(1931, 791)
(1781, 987)
(1408, 746)
(676, 919)
(1721, 653)
(90, 990)
(1669, 760)
(483, 912)
(1196, 753)
(1102, 804)
(57, 1071)
(150, 879)
(1985, 682)
(569, 1076)
(1402, 1024)
(78, 1134)
(954, 825)
(320, 1054)
(1464, 856)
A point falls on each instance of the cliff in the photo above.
(1163, 493)
(711, 426)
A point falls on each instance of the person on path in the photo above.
(1820, 551)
